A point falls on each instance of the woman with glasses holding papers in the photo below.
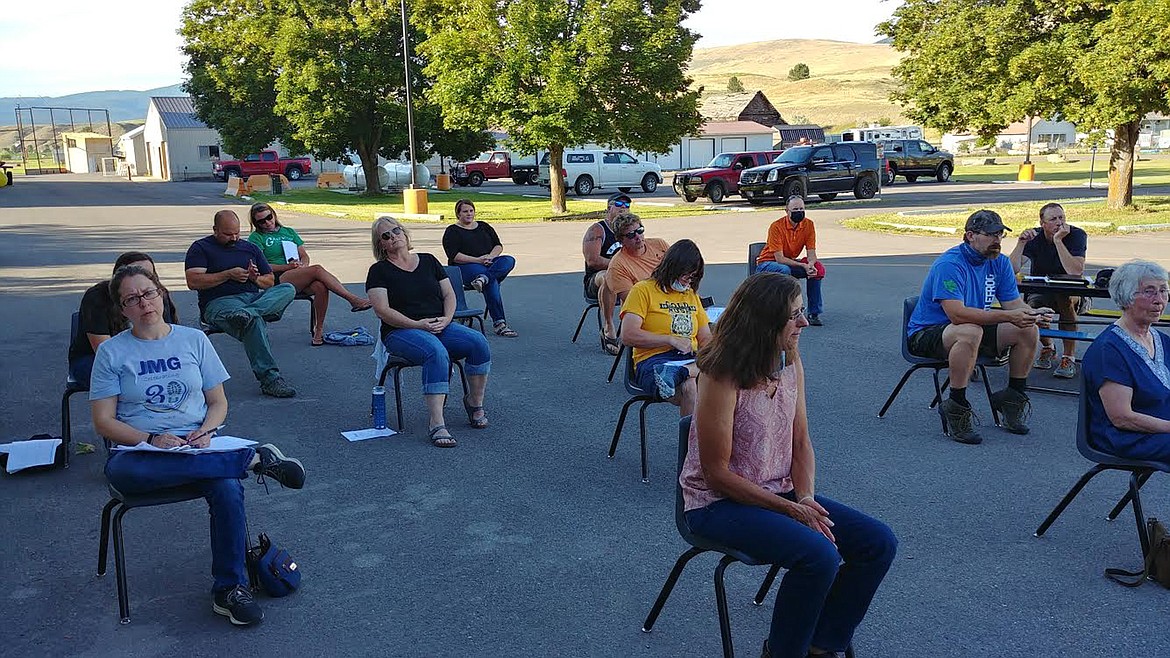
(415, 301)
(749, 475)
(161, 384)
(285, 252)
(665, 324)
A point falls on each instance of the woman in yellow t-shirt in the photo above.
(665, 324)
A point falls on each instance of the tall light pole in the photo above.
(409, 107)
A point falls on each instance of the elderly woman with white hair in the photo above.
(415, 301)
(1127, 370)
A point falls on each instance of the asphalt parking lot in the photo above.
(526, 540)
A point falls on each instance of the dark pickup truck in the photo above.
(825, 170)
(912, 158)
(720, 177)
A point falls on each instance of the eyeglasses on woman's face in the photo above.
(796, 315)
(1154, 292)
(397, 230)
(135, 300)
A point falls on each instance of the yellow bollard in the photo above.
(1027, 172)
(443, 181)
(414, 201)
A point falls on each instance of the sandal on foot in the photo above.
(502, 329)
(317, 342)
(361, 306)
(610, 346)
(441, 441)
(477, 423)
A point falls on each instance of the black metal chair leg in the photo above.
(581, 323)
(1138, 514)
(642, 428)
(897, 390)
(1117, 509)
(1068, 498)
(939, 389)
(987, 388)
(66, 425)
(668, 587)
(758, 599)
(721, 605)
(398, 397)
(104, 536)
(617, 432)
(120, 568)
(616, 360)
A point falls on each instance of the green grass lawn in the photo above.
(488, 207)
(1092, 216)
(1154, 171)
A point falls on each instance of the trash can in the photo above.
(443, 181)
(277, 186)
(1027, 172)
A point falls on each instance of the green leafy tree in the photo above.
(557, 73)
(733, 84)
(1103, 64)
(323, 75)
(798, 72)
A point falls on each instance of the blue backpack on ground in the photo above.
(273, 568)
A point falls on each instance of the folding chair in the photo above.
(919, 362)
(71, 386)
(754, 250)
(395, 364)
(590, 303)
(700, 545)
(637, 394)
(464, 315)
(1139, 472)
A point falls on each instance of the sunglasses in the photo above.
(135, 300)
(638, 231)
(621, 204)
(265, 218)
(397, 230)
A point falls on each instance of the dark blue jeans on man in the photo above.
(217, 475)
(496, 273)
(827, 590)
(815, 301)
(434, 352)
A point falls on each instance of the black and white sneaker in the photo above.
(285, 470)
(238, 605)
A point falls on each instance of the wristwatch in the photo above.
(150, 438)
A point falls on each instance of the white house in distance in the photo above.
(1155, 131)
(83, 151)
(178, 145)
(1056, 134)
(132, 148)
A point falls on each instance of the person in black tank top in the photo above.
(599, 246)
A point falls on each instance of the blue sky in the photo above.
(134, 44)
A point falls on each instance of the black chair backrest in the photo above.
(1083, 422)
(456, 278)
(908, 306)
(754, 250)
(74, 327)
(680, 518)
(631, 386)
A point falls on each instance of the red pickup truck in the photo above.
(495, 164)
(264, 162)
(720, 177)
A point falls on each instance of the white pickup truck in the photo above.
(585, 171)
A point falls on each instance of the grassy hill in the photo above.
(850, 82)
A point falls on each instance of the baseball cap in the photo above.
(620, 196)
(985, 221)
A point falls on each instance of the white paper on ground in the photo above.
(713, 313)
(362, 435)
(290, 250)
(26, 454)
(218, 444)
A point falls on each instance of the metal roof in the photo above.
(735, 128)
(177, 112)
(131, 134)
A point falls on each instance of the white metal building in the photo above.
(717, 137)
(132, 147)
(83, 151)
(1054, 134)
(178, 145)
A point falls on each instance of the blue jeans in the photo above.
(264, 307)
(816, 303)
(651, 369)
(821, 600)
(435, 353)
(218, 475)
(496, 273)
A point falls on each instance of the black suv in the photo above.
(821, 169)
(913, 158)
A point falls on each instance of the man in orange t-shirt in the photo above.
(637, 258)
(787, 237)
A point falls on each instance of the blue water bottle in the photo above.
(378, 405)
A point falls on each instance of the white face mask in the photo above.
(680, 287)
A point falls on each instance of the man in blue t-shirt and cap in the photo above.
(237, 295)
(954, 321)
(1056, 249)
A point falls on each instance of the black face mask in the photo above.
(231, 244)
(796, 216)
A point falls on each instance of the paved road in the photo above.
(525, 540)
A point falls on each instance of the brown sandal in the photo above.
(442, 441)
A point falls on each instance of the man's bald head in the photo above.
(226, 228)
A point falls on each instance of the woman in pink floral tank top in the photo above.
(748, 479)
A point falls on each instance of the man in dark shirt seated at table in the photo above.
(1055, 248)
(237, 295)
(954, 321)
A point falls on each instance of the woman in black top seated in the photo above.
(475, 249)
(100, 317)
(414, 299)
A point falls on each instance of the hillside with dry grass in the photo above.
(850, 83)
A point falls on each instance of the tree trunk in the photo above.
(1121, 161)
(556, 182)
(369, 159)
